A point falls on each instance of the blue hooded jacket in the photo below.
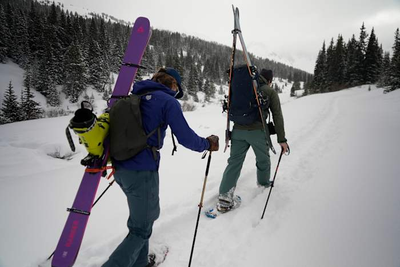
(159, 107)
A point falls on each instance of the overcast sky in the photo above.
(293, 30)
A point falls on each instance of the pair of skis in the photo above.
(237, 32)
(72, 235)
(252, 71)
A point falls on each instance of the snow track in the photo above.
(335, 201)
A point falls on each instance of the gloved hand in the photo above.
(214, 142)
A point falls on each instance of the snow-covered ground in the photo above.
(335, 202)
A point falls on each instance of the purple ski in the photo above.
(74, 229)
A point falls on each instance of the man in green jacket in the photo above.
(244, 136)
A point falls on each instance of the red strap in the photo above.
(94, 170)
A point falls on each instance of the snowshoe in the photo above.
(223, 207)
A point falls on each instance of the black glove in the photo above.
(214, 142)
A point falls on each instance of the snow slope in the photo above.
(335, 202)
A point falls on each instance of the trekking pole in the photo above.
(273, 181)
(200, 205)
(105, 190)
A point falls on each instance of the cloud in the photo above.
(385, 18)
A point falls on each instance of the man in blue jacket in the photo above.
(138, 176)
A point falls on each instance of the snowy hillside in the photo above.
(85, 12)
(11, 72)
(335, 202)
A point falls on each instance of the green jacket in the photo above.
(275, 108)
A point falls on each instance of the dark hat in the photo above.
(172, 72)
(267, 74)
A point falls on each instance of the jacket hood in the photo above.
(150, 86)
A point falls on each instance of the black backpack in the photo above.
(243, 107)
(127, 136)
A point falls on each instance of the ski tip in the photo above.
(142, 18)
(142, 22)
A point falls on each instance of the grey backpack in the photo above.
(127, 136)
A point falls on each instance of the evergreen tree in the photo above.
(217, 73)
(361, 52)
(373, 59)
(395, 64)
(104, 44)
(352, 56)
(104, 39)
(75, 69)
(384, 76)
(295, 87)
(148, 60)
(340, 61)
(116, 53)
(10, 111)
(30, 76)
(46, 83)
(21, 40)
(77, 29)
(363, 39)
(307, 85)
(330, 70)
(188, 60)
(177, 63)
(208, 68)
(53, 16)
(64, 30)
(97, 68)
(336, 64)
(209, 90)
(30, 109)
(52, 33)
(35, 31)
(192, 84)
(10, 20)
(200, 82)
(160, 62)
(319, 82)
(169, 58)
(4, 33)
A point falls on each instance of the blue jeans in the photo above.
(142, 191)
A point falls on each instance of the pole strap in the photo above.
(174, 149)
(70, 140)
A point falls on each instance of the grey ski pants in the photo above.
(241, 141)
